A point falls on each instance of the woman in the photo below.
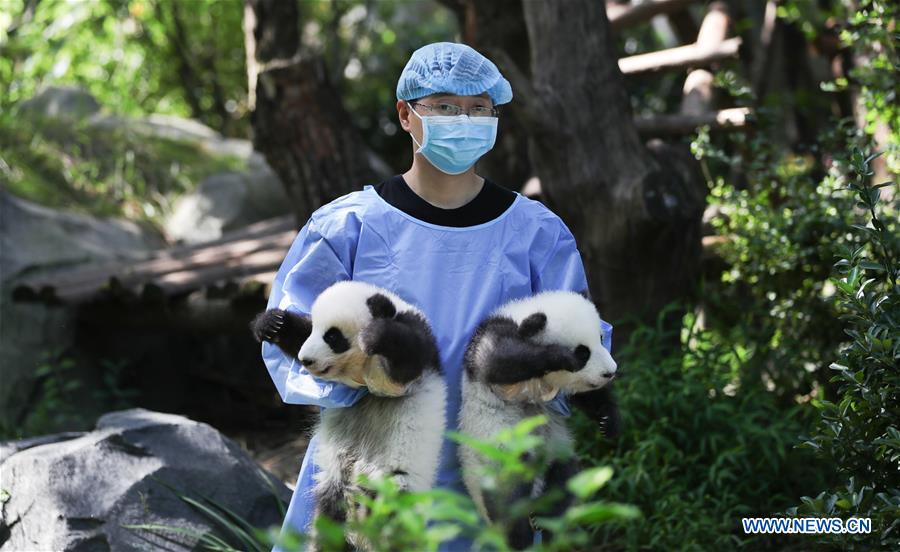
(440, 236)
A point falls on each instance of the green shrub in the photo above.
(422, 520)
(859, 433)
(702, 445)
(101, 170)
(780, 223)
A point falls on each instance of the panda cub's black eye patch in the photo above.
(582, 353)
(336, 340)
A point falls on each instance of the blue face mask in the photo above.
(454, 143)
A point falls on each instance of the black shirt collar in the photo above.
(490, 203)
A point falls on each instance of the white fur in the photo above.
(399, 429)
(571, 320)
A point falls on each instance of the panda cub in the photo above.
(361, 335)
(519, 357)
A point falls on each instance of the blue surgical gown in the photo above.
(456, 275)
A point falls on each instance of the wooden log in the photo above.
(256, 265)
(624, 16)
(697, 93)
(726, 119)
(168, 260)
(714, 28)
(104, 270)
(235, 258)
(681, 57)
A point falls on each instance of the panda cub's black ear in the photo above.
(533, 325)
(586, 293)
(380, 306)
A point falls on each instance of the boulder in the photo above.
(223, 201)
(65, 102)
(77, 491)
(38, 240)
(228, 201)
(35, 238)
(32, 335)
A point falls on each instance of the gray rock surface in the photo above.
(76, 493)
(31, 334)
(228, 201)
(61, 101)
(33, 237)
(36, 240)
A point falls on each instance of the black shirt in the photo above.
(490, 203)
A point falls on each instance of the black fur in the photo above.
(336, 340)
(583, 354)
(496, 325)
(285, 329)
(405, 340)
(557, 475)
(331, 502)
(380, 306)
(533, 325)
(519, 532)
(601, 407)
(513, 358)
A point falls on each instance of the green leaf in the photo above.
(597, 512)
(589, 481)
(485, 449)
(329, 533)
(871, 265)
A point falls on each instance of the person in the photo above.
(440, 236)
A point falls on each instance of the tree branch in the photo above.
(623, 16)
(679, 58)
(726, 119)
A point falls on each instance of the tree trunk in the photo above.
(299, 123)
(489, 27)
(635, 213)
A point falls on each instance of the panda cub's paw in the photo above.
(267, 325)
(401, 338)
(398, 344)
(285, 329)
(602, 408)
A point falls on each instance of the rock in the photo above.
(39, 240)
(32, 333)
(227, 201)
(35, 238)
(77, 493)
(178, 129)
(9, 448)
(61, 102)
(223, 201)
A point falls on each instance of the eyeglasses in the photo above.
(453, 110)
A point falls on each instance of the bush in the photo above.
(702, 446)
(422, 520)
(858, 433)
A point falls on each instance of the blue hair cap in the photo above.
(451, 68)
